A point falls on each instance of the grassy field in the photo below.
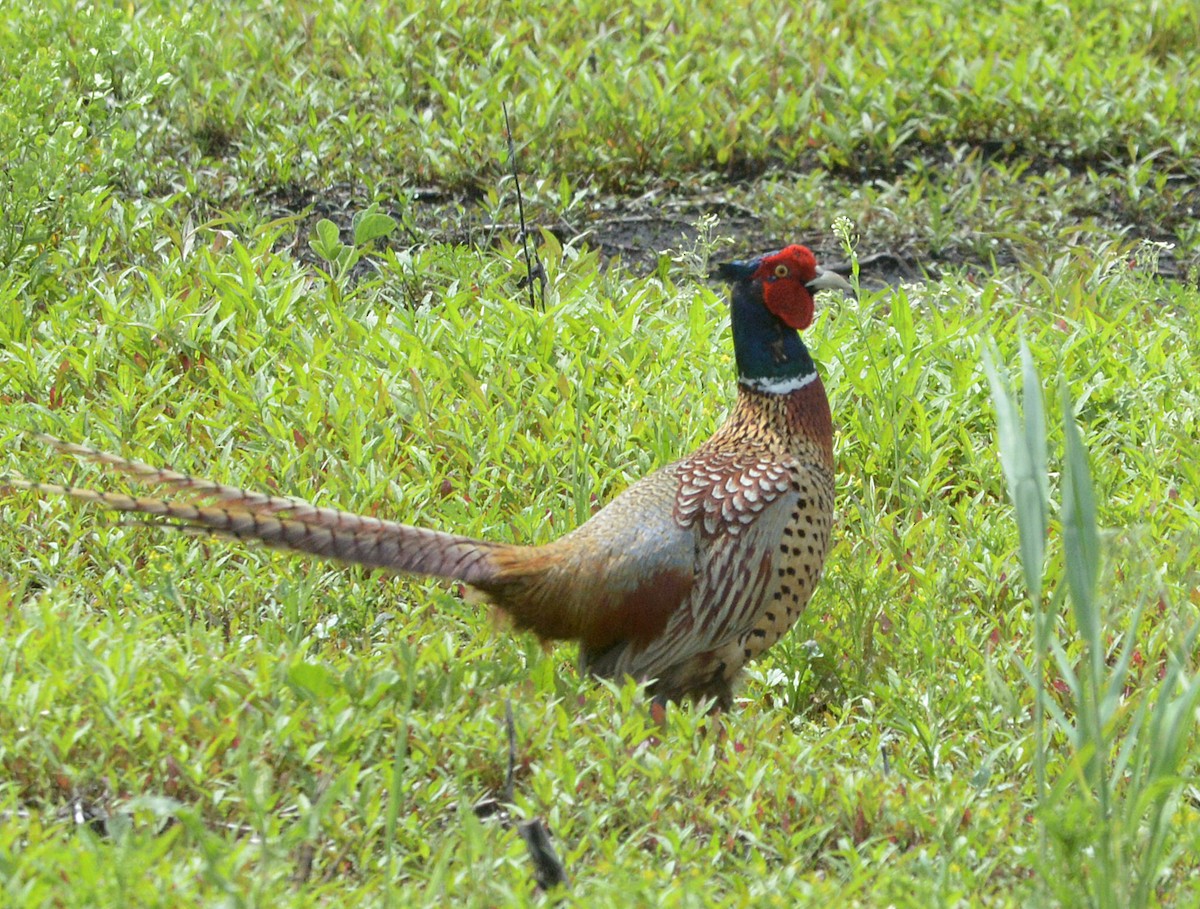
(959, 719)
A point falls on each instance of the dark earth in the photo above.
(637, 229)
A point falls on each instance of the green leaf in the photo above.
(326, 241)
(1081, 539)
(371, 225)
(902, 321)
(314, 679)
(1035, 428)
(1023, 458)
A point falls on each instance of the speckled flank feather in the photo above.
(680, 580)
(758, 499)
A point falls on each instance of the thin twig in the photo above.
(512, 752)
(304, 863)
(548, 868)
(533, 272)
(497, 805)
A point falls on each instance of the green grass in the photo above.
(264, 730)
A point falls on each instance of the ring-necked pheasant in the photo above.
(682, 579)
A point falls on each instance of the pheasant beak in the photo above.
(828, 280)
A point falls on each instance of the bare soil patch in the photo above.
(636, 230)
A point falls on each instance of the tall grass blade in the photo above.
(1081, 539)
(1035, 486)
(1023, 458)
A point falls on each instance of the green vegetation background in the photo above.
(249, 729)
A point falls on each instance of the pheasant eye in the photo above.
(781, 271)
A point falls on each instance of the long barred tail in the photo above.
(283, 522)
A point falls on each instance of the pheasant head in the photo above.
(772, 302)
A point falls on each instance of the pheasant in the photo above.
(680, 581)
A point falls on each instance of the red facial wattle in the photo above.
(783, 276)
(789, 301)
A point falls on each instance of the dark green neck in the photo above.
(770, 355)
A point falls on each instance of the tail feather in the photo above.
(284, 522)
(534, 585)
(199, 487)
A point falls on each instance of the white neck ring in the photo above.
(779, 386)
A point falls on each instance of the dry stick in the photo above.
(304, 863)
(538, 272)
(507, 795)
(499, 803)
(548, 868)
